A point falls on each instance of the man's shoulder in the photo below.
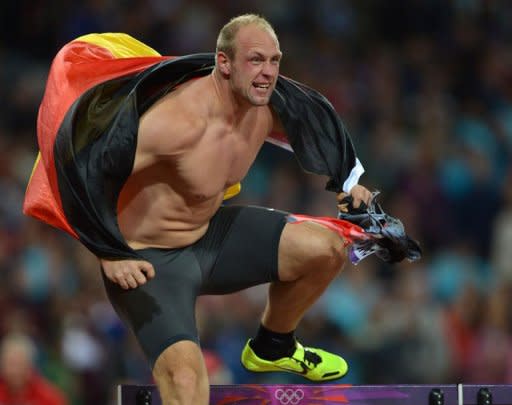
(172, 126)
(188, 103)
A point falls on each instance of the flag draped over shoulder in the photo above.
(98, 87)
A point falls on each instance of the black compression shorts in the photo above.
(239, 250)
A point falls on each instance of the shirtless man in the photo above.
(193, 144)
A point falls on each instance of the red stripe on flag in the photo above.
(76, 68)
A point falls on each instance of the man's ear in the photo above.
(223, 63)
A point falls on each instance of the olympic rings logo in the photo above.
(289, 396)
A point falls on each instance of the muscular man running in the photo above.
(193, 144)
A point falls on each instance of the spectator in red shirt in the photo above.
(20, 382)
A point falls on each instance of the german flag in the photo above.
(98, 87)
(78, 67)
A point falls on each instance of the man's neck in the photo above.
(232, 108)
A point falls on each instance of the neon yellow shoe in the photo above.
(313, 364)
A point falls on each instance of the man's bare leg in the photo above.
(180, 374)
(310, 257)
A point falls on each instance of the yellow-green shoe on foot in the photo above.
(313, 364)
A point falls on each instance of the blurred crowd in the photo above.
(425, 88)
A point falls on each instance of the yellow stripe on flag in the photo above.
(38, 158)
(119, 44)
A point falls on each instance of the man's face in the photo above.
(15, 367)
(255, 66)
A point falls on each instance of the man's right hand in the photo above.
(128, 273)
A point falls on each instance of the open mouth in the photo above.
(262, 86)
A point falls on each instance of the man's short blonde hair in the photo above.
(226, 38)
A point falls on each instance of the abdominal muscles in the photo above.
(151, 213)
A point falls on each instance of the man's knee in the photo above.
(184, 379)
(181, 372)
(184, 385)
(329, 253)
(312, 248)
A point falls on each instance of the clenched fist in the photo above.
(360, 194)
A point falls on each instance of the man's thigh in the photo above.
(162, 311)
(304, 246)
(248, 253)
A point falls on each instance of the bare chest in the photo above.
(222, 158)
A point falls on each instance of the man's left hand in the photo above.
(360, 194)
